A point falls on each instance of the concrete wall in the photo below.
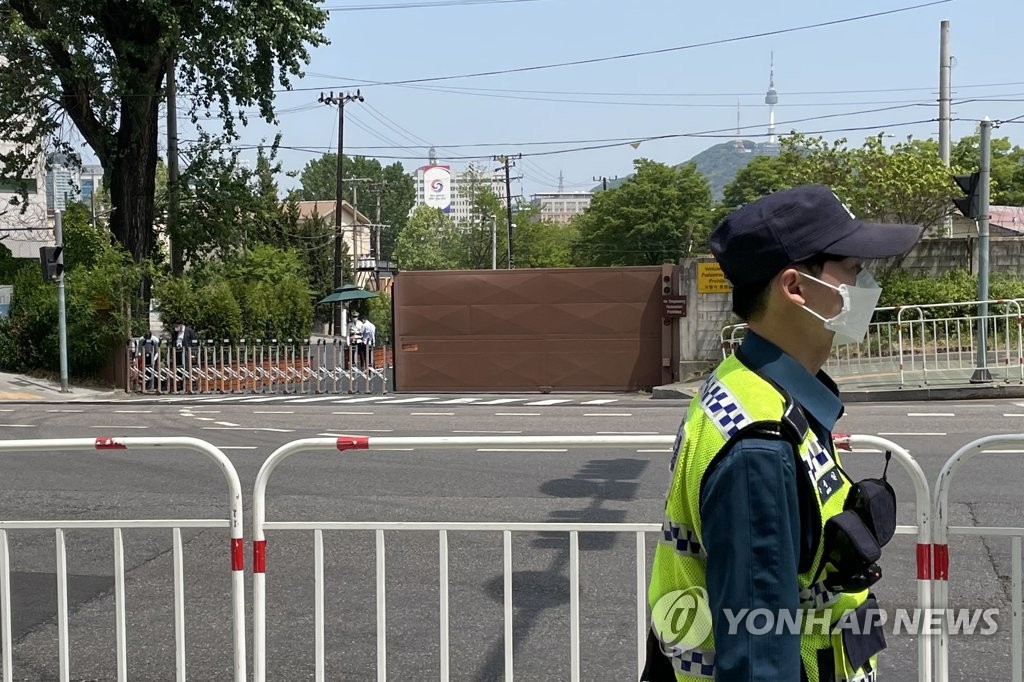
(700, 331)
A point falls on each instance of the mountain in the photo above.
(719, 164)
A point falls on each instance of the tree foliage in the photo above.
(102, 65)
(648, 220)
(1007, 167)
(319, 181)
(903, 183)
(429, 241)
(101, 283)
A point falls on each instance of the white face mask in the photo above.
(852, 322)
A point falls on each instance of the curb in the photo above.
(861, 395)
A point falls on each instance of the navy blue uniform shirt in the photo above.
(755, 526)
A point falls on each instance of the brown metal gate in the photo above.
(574, 329)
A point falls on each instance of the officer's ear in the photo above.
(790, 283)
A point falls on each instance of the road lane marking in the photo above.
(522, 450)
(21, 426)
(317, 399)
(502, 401)
(205, 411)
(600, 402)
(627, 433)
(5, 410)
(1014, 414)
(456, 401)
(273, 411)
(224, 423)
(67, 411)
(337, 434)
(355, 400)
(420, 399)
(607, 414)
(668, 450)
(931, 414)
(432, 414)
(909, 433)
(554, 401)
(264, 400)
(486, 431)
(133, 411)
(114, 428)
(202, 419)
(339, 412)
(517, 414)
(246, 428)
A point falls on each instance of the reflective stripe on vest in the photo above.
(733, 398)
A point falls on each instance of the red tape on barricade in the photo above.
(109, 443)
(259, 556)
(353, 442)
(924, 561)
(941, 562)
(237, 555)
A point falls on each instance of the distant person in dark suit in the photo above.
(183, 339)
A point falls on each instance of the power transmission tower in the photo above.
(508, 162)
(340, 101)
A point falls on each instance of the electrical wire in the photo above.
(664, 50)
(422, 5)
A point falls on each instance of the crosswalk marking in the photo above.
(386, 399)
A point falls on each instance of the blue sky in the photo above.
(678, 92)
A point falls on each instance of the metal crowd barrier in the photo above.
(233, 522)
(257, 366)
(943, 529)
(924, 339)
(921, 529)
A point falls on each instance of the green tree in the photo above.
(544, 244)
(1007, 167)
(429, 242)
(102, 65)
(319, 178)
(647, 220)
(904, 183)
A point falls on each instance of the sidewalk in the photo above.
(952, 384)
(17, 388)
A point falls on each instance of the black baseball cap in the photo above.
(761, 239)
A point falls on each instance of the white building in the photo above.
(464, 184)
(560, 207)
(24, 232)
(355, 229)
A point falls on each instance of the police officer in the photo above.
(759, 513)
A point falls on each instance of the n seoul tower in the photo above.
(771, 98)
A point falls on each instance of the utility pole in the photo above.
(340, 101)
(507, 163)
(62, 319)
(981, 373)
(172, 169)
(945, 67)
(494, 242)
(604, 182)
(376, 248)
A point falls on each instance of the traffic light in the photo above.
(49, 258)
(969, 205)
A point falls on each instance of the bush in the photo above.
(101, 285)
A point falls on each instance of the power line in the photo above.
(422, 5)
(664, 50)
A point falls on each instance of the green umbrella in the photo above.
(347, 292)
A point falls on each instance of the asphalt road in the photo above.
(424, 485)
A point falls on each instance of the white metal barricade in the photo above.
(943, 530)
(922, 529)
(260, 525)
(233, 522)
